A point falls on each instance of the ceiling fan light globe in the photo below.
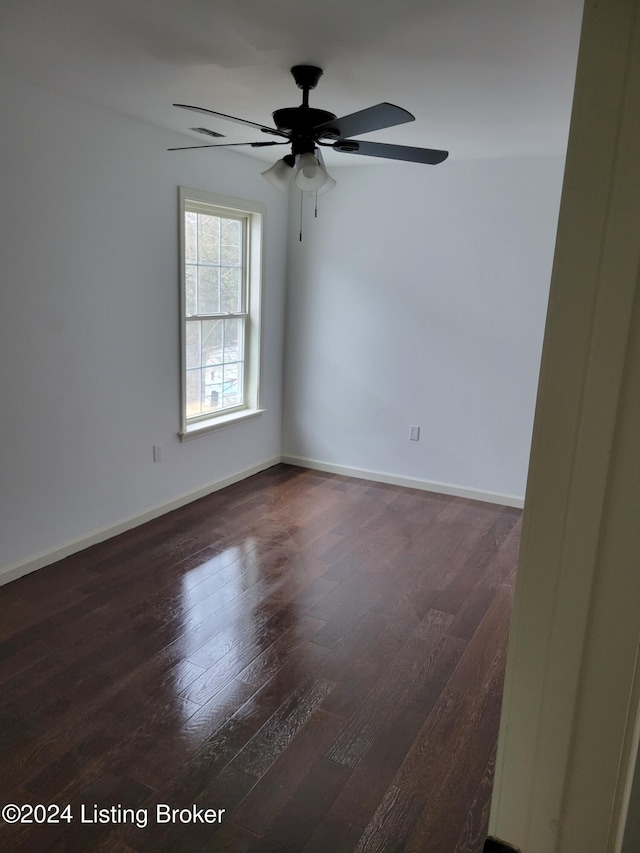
(279, 175)
(328, 185)
(310, 174)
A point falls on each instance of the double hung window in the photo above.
(221, 266)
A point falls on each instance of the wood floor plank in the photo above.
(351, 645)
(273, 792)
(362, 675)
(232, 651)
(263, 749)
(284, 647)
(312, 800)
(318, 655)
(424, 637)
(469, 756)
(370, 718)
(134, 700)
(430, 679)
(335, 835)
(209, 717)
(370, 780)
(460, 706)
(489, 640)
(68, 643)
(21, 658)
(266, 700)
(390, 827)
(231, 837)
(479, 560)
(476, 825)
(312, 595)
(110, 845)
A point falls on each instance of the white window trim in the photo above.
(256, 222)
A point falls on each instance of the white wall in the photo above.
(89, 367)
(418, 296)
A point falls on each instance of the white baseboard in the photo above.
(17, 570)
(408, 482)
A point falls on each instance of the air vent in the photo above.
(207, 132)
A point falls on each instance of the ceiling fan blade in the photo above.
(373, 118)
(232, 118)
(226, 145)
(430, 156)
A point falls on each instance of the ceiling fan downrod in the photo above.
(306, 77)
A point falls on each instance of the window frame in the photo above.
(253, 216)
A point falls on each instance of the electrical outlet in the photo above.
(157, 452)
(414, 433)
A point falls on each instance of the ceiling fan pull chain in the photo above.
(301, 197)
(316, 210)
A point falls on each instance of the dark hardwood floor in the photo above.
(321, 657)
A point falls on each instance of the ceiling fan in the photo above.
(307, 129)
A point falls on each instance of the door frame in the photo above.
(568, 732)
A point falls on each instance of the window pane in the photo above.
(214, 365)
(213, 379)
(233, 343)
(208, 290)
(231, 290)
(231, 248)
(232, 389)
(212, 342)
(193, 393)
(221, 385)
(210, 390)
(190, 226)
(193, 343)
(208, 239)
(191, 289)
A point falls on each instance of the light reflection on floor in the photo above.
(210, 650)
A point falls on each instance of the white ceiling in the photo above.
(483, 79)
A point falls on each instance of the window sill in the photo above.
(202, 427)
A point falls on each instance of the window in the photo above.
(221, 268)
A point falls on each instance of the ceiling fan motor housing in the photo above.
(300, 120)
